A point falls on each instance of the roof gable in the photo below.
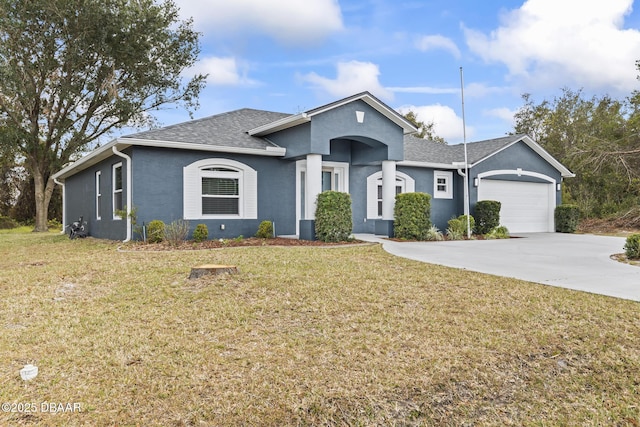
(434, 154)
(297, 119)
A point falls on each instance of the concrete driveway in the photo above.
(574, 261)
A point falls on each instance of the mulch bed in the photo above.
(623, 258)
(233, 243)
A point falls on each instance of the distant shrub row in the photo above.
(178, 231)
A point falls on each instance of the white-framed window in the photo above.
(334, 176)
(443, 184)
(404, 184)
(220, 191)
(220, 188)
(98, 195)
(117, 190)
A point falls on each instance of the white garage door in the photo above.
(527, 207)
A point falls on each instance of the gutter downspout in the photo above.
(64, 205)
(128, 159)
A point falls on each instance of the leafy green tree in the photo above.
(597, 139)
(72, 71)
(425, 130)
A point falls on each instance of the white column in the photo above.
(388, 188)
(313, 183)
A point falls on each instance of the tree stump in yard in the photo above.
(203, 270)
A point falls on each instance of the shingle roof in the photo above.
(226, 129)
(422, 150)
(230, 130)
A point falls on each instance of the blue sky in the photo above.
(294, 55)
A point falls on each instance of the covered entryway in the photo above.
(527, 207)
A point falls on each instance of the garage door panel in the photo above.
(525, 206)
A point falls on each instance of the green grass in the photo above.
(303, 336)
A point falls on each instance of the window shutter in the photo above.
(192, 200)
(250, 196)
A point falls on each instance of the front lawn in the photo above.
(301, 336)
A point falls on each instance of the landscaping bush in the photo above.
(632, 246)
(7, 223)
(155, 231)
(567, 218)
(434, 234)
(458, 226)
(265, 230)
(500, 232)
(455, 233)
(333, 216)
(176, 232)
(201, 233)
(487, 216)
(412, 215)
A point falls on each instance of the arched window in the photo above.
(220, 188)
(404, 184)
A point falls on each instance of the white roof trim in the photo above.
(267, 151)
(566, 173)
(287, 122)
(104, 152)
(416, 164)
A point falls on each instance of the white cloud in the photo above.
(352, 77)
(425, 89)
(222, 71)
(291, 22)
(437, 41)
(446, 123)
(551, 43)
(481, 90)
(502, 113)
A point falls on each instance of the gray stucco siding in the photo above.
(516, 156)
(158, 190)
(297, 140)
(442, 210)
(341, 122)
(358, 191)
(80, 194)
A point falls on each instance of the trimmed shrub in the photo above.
(333, 216)
(155, 231)
(632, 246)
(176, 232)
(487, 216)
(7, 223)
(567, 218)
(201, 233)
(458, 226)
(412, 215)
(265, 230)
(500, 232)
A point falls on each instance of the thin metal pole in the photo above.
(466, 162)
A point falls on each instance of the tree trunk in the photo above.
(43, 192)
